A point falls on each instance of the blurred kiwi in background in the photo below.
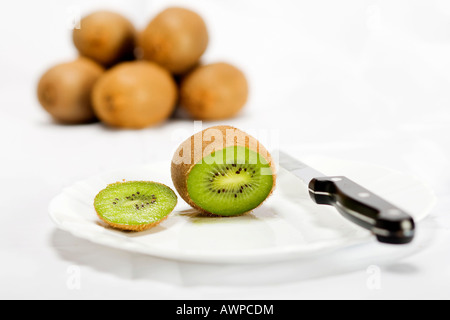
(134, 79)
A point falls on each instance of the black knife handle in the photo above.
(389, 223)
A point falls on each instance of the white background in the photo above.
(359, 80)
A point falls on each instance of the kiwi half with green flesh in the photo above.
(229, 175)
(214, 92)
(175, 39)
(64, 91)
(135, 205)
(106, 37)
(134, 95)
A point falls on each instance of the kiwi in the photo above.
(223, 171)
(135, 205)
(214, 92)
(134, 95)
(106, 37)
(64, 91)
(176, 39)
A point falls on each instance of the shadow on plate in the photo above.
(129, 265)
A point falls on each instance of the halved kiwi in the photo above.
(175, 39)
(134, 95)
(223, 171)
(106, 37)
(64, 91)
(214, 92)
(135, 205)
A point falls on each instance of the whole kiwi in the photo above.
(106, 37)
(214, 92)
(64, 91)
(134, 95)
(175, 39)
(204, 143)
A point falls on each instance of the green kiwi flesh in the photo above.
(133, 205)
(231, 181)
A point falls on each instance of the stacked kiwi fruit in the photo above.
(136, 79)
(229, 175)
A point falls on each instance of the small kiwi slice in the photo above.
(223, 171)
(64, 91)
(106, 37)
(135, 205)
(134, 95)
(176, 39)
(214, 92)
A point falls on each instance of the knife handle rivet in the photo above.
(406, 225)
(363, 194)
(336, 179)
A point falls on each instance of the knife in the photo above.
(387, 222)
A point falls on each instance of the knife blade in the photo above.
(386, 221)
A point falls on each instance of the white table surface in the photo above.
(358, 80)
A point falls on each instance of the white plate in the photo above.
(288, 225)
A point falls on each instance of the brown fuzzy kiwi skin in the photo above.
(134, 95)
(176, 39)
(215, 91)
(136, 228)
(64, 90)
(180, 169)
(106, 37)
